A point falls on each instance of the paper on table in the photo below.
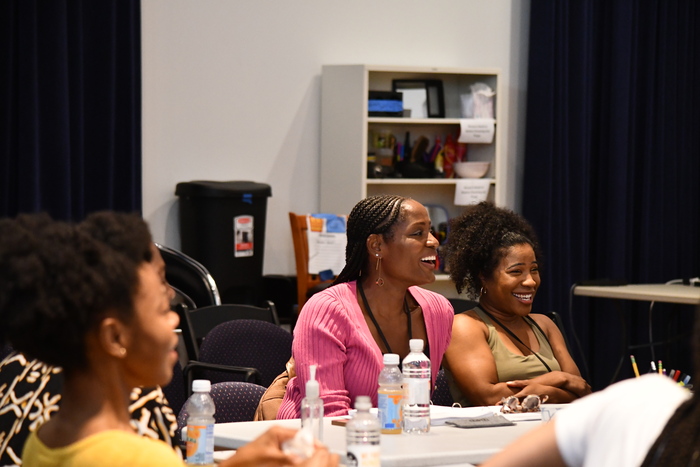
(477, 130)
(471, 191)
(326, 239)
(441, 414)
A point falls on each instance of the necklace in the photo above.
(374, 320)
(512, 334)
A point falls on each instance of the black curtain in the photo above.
(70, 106)
(612, 162)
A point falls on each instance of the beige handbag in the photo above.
(271, 400)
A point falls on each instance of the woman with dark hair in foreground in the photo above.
(71, 301)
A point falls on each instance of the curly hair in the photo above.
(479, 239)
(56, 284)
(126, 233)
(372, 215)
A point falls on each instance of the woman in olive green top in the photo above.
(498, 349)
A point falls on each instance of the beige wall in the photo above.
(231, 89)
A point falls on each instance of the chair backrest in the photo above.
(247, 343)
(187, 334)
(306, 282)
(176, 390)
(442, 395)
(235, 401)
(190, 277)
(556, 317)
(461, 304)
(207, 318)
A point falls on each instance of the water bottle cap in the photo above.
(363, 403)
(312, 385)
(201, 385)
(391, 359)
(416, 345)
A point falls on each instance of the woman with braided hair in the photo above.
(649, 421)
(499, 349)
(374, 306)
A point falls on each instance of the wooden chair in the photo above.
(307, 284)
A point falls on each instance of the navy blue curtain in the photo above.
(612, 161)
(70, 106)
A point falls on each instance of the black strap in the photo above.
(376, 325)
(512, 334)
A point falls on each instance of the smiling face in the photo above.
(511, 288)
(409, 254)
(152, 341)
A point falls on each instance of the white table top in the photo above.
(444, 445)
(668, 293)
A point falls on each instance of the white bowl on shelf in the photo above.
(471, 169)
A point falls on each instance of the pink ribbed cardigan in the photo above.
(332, 333)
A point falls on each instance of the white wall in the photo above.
(231, 89)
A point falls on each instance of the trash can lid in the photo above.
(215, 189)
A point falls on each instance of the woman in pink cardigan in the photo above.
(374, 307)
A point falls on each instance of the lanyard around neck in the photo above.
(374, 320)
(512, 334)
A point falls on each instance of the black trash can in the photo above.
(222, 225)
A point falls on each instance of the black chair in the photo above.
(556, 317)
(461, 304)
(246, 343)
(189, 277)
(176, 390)
(235, 401)
(203, 320)
(441, 394)
(181, 298)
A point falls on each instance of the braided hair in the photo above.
(679, 442)
(372, 215)
(479, 239)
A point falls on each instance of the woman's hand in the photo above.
(266, 450)
(561, 387)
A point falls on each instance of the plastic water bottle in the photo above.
(363, 435)
(416, 386)
(390, 395)
(312, 407)
(200, 424)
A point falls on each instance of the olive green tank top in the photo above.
(509, 366)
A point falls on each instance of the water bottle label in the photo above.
(200, 444)
(417, 390)
(363, 455)
(389, 404)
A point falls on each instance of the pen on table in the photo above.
(661, 368)
(677, 376)
(686, 380)
(671, 373)
(634, 366)
(653, 367)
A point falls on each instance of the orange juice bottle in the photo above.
(390, 395)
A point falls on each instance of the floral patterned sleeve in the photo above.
(30, 393)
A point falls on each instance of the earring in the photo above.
(482, 292)
(379, 281)
(122, 352)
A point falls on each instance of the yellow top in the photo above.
(112, 448)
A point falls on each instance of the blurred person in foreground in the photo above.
(70, 300)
